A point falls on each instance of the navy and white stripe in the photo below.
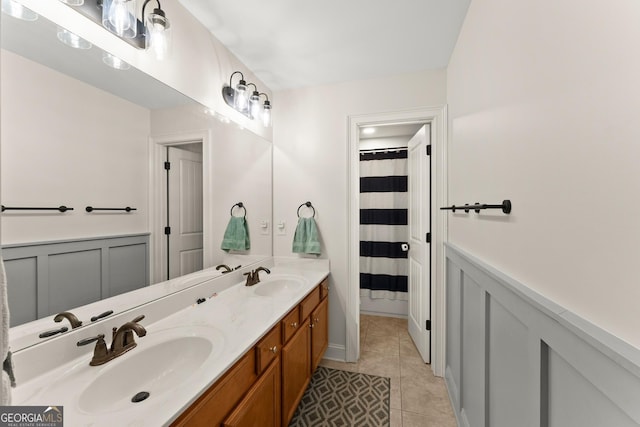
(383, 224)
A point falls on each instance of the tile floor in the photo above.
(418, 399)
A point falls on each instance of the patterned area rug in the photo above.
(341, 398)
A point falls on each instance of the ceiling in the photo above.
(290, 44)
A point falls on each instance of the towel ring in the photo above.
(309, 205)
(240, 205)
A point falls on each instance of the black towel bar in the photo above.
(91, 209)
(14, 208)
(477, 207)
(309, 205)
(240, 205)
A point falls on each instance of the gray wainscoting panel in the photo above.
(45, 278)
(125, 273)
(515, 358)
(473, 357)
(74, 279)
(23, 301)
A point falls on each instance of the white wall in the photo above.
(199, 65)
(544, 101)
(240, 167)
(311, 162)
(67, 143)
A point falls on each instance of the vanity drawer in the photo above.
(324, 288)
(309, 303)
(268, 348)
(290, 324)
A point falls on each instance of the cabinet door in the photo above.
(211, 408)
(296, 359)
(261, 406)
(319, 322)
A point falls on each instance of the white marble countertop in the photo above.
(233, 318)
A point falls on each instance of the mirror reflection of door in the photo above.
(184, 198)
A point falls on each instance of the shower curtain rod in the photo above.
(383, 150)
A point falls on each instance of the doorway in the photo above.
(394, 219)
(199, 143)
(184, 209)
(431, 305)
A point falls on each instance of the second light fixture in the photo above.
(239, 98)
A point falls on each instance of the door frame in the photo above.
(158, 198)
(437, 118)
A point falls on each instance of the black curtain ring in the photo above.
(240, 205)
(309, 205)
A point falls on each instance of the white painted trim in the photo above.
(158, 199)
(437, 118)
(335, 352)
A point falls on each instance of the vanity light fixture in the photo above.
(15, 9)
(238, 97)
(151, 30)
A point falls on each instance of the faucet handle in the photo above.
(139, 318)
(90, 340)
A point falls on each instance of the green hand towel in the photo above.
(236, 236)
(305, 241)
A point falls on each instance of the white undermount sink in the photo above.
(278, 286)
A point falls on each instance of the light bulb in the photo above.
(241, 95)
(266, 114)
(254, 104)
(255, 108)
(158, 37)
(119, 17)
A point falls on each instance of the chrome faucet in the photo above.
(253, 277)
(70, 317)
(121, 342)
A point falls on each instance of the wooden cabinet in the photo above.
(319, 332)
(261, 406)
(212, 407)
(296, 373)
(266, 385)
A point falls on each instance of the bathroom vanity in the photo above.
(270, 379)
(216, 353)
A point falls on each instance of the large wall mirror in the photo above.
(78, 133)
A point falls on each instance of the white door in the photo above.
(419, 265)
(185, 211)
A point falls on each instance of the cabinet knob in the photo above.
(316, 320)
(294, 325)
(311, 325)
(274, 349)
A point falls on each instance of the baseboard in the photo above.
(336, 352)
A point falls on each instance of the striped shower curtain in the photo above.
(383, 225)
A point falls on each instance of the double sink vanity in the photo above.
(215, 353)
